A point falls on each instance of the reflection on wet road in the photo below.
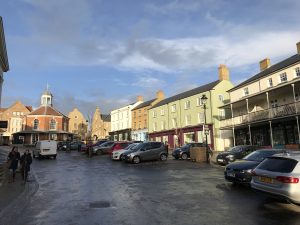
(77, 190)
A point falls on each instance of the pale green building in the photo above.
(180, 119)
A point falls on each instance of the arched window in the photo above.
(52, 125)
(35, 124)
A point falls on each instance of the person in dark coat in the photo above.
(13, 160)
(26, 161)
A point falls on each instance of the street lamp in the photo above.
(206, 129)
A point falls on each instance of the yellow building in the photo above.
(78, 124)
(100, 125)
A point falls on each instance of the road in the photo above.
(77, 190)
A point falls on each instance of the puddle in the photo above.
(100, 204)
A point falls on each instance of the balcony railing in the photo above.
(267, 114)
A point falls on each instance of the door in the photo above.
(146, 153)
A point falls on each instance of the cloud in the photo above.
(148, 81)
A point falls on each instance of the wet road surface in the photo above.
(77, 190)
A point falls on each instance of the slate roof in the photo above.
(189, 93)
(144, 104)
(278, 66)
(46, 110)
(105, 117)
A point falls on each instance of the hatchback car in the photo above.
(241, 171)
(237, 152)
(109, 147)
(184, 151)
(118, 154)
(279, 176)
(148, 151)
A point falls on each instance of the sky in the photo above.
(107, 52)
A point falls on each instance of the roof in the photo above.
(144, 104)
(201, 89)
(3, 53)
(276, 67)
(46, 110)
(105, 117)
(3, 109)
(43, 132)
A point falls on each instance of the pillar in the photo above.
(271, 134)
(250, 135)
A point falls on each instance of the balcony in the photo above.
(292, 109)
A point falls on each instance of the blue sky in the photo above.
(106, 52)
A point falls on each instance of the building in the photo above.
(121, 121)
(4, 67)
(77, 124)
(140, 118)
(264, 110)
(101, 125)
(12, 120)
(44, 123)
(181, 118)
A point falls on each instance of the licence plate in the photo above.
(220, 160)
(230, 174)
(46, 150)
(266, 180)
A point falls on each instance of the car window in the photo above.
(277, 164)
(123, 145)
(147, 146)
(156, 145)
(236, 149)
(259, 156)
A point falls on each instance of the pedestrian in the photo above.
(13, 161)
(26, 161)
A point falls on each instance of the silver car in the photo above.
(279, 176)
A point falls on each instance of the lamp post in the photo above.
(206, 129)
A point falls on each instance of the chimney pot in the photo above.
(139, 98)
(264, 64)
(298, 48)
(160, 95)
(223, 72)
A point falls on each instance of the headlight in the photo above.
(248, 171)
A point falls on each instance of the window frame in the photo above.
(281, 76)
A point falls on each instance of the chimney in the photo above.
(298, 48)
(264, 64)
(223, 72)
(139, 98)
(160, 95)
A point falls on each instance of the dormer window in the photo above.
(270, 82)
(246, 91)
(283, 77)
(297, 70)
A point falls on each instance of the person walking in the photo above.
(26, 161)
(13, 161)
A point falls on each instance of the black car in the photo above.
(237, 152)
(240, 171)
(184, 151)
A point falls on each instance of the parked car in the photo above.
(109, 147)
(237, 152)
(184, 151)
(148, 151)
(45, 149)
(279, 176)
(241, 171)
(76, 145)
(88, 146)
(118, 154)
(129, 151)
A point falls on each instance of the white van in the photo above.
(45, 149)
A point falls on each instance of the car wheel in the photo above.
(184, 156)
(33, 155)
(136, 160)
(99, 152)
(163, 157)
(121, 156)
(54, 157)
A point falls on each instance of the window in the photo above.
(297, 70)
(187, 105)
(162, 112)
(246, 91)
(201, 117)
(154, 114)
(35, 124)
(199, 101)
(140, 112)
(154, 126)
(134, 125)
(145, 123)
(188, 120)
(163, 125)
(274, 103)
(75, 117)
(174, 122)
(18, 113)
(53, 125)
(173, 108)
(222, 113)
(22, 113)
(297, 97)
(14, 113)
(270, 82)
(221, 98)
(134, 114)
(283, 77)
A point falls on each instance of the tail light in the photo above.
(288, 180)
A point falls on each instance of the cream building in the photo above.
(78, 124)
(121, 121)
(100, 125)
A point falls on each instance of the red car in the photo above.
(109, 147)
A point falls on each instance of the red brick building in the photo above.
(44, 123)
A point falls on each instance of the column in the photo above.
(294, 97)
(268, 102)
(297, 118)
(271, 134)
(250, 135)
